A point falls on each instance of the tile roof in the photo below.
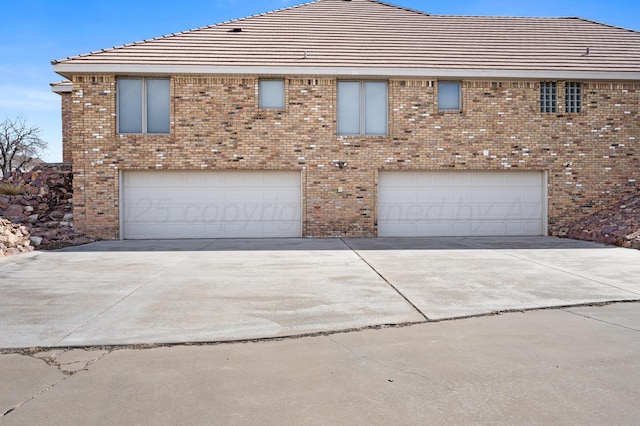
(368, 34)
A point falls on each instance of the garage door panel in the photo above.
(400, 193)
(532, 194)
(199, 204)
(489, 195)
(429, 228)
(443, 203)
(279, 196)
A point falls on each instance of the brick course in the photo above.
(592, 158)
(66, 127)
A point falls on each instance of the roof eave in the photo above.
(69, 69)
(61, 87)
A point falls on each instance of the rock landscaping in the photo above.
(14, 238)
(37, 210)
(618, 225)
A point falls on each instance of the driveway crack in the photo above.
(385, 280)
(391, 367)
(52, 359)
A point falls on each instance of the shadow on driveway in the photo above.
(304, 244)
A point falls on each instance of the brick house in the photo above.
(354, 118)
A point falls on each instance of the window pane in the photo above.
(375, 107)
(130, 106)
(271, 93)
(548, 97)
(158, 105)
(349, 107)
(449, 96)
(573, 101)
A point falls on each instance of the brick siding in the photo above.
(592, 158)
(66, 127)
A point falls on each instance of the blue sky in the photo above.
(34, 32)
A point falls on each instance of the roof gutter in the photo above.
(68, 69)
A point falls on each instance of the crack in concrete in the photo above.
(386, 280)
(390, 367)
(53, 359)
(50, 358)
(42, 392)
(143, 346)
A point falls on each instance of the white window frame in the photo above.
(145, 110)
(446, 83)
(262, 104)
(362, 110)
(548, 97)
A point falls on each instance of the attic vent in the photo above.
(235, 30)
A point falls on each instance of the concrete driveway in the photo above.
(138, 292)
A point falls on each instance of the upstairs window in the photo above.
(362, 108)
(573, 97)
(449, 98)
(271, 94)
(143, 105)
(548, 96)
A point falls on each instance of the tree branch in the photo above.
(19, 143)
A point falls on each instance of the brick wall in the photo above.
(66, 127)
(592, 158)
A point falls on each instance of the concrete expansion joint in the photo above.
(386, 280)
(535, 309)
(567, 310)
(544, 265)
(125, 297)
(51, 355)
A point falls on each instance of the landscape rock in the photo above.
(14, 238)
(14, 211)
(617, 225)
(42, 216)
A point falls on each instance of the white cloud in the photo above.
(23, 99)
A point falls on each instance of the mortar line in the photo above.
(567, 272)
(386, 280)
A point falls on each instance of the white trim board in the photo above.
(67, 69)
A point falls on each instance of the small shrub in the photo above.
(7, 188)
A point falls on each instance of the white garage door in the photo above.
(461, 203)
(206, 204)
